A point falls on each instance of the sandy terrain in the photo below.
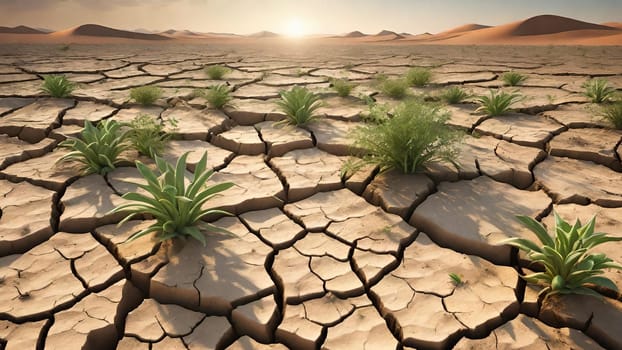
(315, 260)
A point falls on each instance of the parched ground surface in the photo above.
(315, 260)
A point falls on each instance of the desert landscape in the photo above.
(316, 256)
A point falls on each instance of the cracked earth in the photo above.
(315, 260)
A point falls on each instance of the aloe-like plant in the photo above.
(613, 114)
(498, 102)
(176, 206)
(454, 95)
(218, 96)
(57, 86)
(216, 72)
(513, 78)
(414, 136)
(599, 91)
(98, 148)
(146, 95)
(569, 265)
(147, 135)
(418, 76)
(299, 105)
(343, 87)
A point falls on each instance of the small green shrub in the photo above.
(513, 78)
(147, 135)
(216, 72)
(218, 96)
(456, 279)
(599, 91)
(57, 86)
(613, 114)
(146, 95)
(394, 88)
(98, 148)
(498, 103)
(454, 95)
(176, 207)
(569, 267)
(343, 87)
(418, 76)
(414, 136)
(377, 113)
(299, 105)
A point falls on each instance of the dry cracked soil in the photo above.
(315, 260)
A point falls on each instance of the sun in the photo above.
(295, 28)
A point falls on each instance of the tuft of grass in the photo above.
(599, 91)
(147, 135)
(613, 114)
(146, 95)
(513, 78)
(57, 86)
(394, 88)
(498, 103)
(177, 207)
(98, 148)
(377, 113)
(418, 76)
(343, 87)
(217, 96)
(216, 72)
(569, 267)
(414, 136)
(299, 105)
(456, 279)
(454, 95)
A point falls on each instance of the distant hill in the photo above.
(102, 31)
(264, 34)
(354, 34)
(20, 30)
(387, 33)
(549, 24)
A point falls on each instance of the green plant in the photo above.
(299, 105)
(498, 103)
(415, 135)
(147, 135)
(216, 72)
(613, 114)
(57, 85)
(599, 91)
(394, 88)
(453, 95)
(513, 78)
(176, 207)
(456, 279)
(98, 148)
(145, 95)
(342, 86)
(218, 96)
(377, 113)
(569, 267)
(418, 76)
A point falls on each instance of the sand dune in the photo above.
(264, 34)
(354, 34)
(463, 29)
(94, 30)
(20, 30)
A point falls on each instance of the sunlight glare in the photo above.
(295, 28)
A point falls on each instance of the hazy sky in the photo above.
(298, 16)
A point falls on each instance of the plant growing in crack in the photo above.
(217, 72)
(415, 135)
(176, 206)
(498, 102)
(418, 76)
(148, 135)
(569, 267)
(613, 114)
(454, 95)
(99, 148)
(343, 87)
(57, 86)
(598, 90)
(218, 96)
(146, 95)
(455, 279)
(513, 78)
(299, 105)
